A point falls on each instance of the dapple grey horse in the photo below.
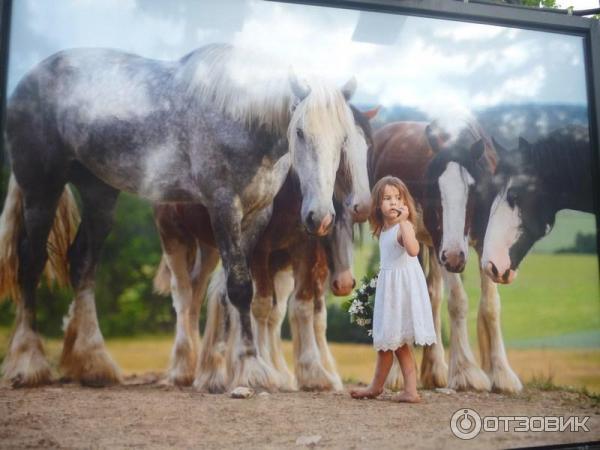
(221, 127)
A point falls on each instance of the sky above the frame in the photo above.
(413, 61)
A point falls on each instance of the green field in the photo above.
(568, 224)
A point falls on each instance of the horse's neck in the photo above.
(565, 172)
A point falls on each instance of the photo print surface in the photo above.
(487, 125)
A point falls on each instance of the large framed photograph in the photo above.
(286, 185)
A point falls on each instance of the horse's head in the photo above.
(338, 247)
(519, 215)
(346, 191)
(454, 180)
(321, 130)
(339, 244)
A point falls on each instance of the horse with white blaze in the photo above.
(534, 182)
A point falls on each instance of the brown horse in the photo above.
(189, 257)
(283, 246)
(448, 166)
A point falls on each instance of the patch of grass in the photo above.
(545, 382)
(542, 382)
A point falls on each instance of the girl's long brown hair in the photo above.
(376, 216)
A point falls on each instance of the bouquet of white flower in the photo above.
(360, 305)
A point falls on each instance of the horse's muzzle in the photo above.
(506, 277)
(321, 228)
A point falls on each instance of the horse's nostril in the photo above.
(444, 258)
(462, 255)
(310, 220)
(494, 269)
(506, 275)
(353, 283)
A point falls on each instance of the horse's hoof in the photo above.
(469, 377)
(93, 369)
(288, 383)
(181, 380)
(434, 375)
(504, 380)
(101, 377)
(29, 369)
(180, 375)
(211, 375)
(31, 379)
(253, 371)
(314, 377)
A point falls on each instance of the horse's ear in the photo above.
(349, 88)
(523, 144)
(432, 138)
(299, 89)
(477, 149)
(370, 114)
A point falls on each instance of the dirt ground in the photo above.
(145, 414)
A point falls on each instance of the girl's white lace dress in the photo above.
(402, 312)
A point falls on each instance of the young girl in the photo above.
(402, 313)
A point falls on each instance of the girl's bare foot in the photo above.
(406, 397)
(368, 392)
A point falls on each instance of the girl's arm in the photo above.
(406, 236)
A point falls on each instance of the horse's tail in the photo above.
(61, 236)
(162, 279)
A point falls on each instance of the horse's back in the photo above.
(400, 149)
(104, 108)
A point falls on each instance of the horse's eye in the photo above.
(300, 133)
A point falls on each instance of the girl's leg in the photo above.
(409, 372)
(384, 363)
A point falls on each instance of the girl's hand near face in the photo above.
(402, 212)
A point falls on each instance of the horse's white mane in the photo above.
(461, 125)
(254, 88)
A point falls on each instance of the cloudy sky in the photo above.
(426, 63)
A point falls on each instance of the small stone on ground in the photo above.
(242, 392)
(308, 440)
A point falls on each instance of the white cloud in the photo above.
(514, 89)
(433, 61)
(468, 32)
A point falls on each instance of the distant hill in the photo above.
(507, 122)
(504, 122)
